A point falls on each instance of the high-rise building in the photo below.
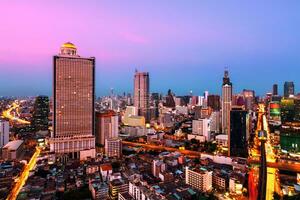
(113, 147)
(107, 126)
(199, 178)
(239, 132)
(40, 113)
(226, 103)
(213, 101)
(73, 102)
(141, 93)
(289, 88)
(290, 110)
(249, 97)
(275, 90)
(4, 133)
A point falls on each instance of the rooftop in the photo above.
(13, 145)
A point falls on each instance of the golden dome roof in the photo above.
(69, 45)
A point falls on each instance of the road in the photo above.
(7, 114)
(24, 175)
(295, 167)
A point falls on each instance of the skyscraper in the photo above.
(141, 93)
(289, 89)
(275, 90)
(226, 103)
(40, 113)
(239, 132)
(4, 133)
(73, 102)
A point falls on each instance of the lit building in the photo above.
(113, 147)
(73, 102)
(290, 110)
(226, 103)
(141, 93)
(239, 132)
(289, 89)
(107, 126)
(199, 178)
(4, 133)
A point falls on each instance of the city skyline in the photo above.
(253, 40)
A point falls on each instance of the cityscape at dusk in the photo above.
(140, 100)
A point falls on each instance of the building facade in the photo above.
(238, 133)
(4, 133)
(107, 126)
(141, 93)
(200, 179)
(73, 102)
(226, 103)
(288, 89)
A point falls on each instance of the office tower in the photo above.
(113, 147)
(4, 133)
(107, 126)
(170, 102)
(201, 127)
(73, 102)
(275, 90)
(199, 178)
(213, 101)
(289, 89)
(226, 103)
(249, 96)
(290, 110)
(40, 113)
(239, 132)
(141, 93)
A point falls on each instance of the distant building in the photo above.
(226, 103)
(4, 133)
(249, 98)
(107, 126)
(275, 90)
(113, 147)
(239, 132)
(73, 102)
(199, 178)
(141, 93)
(289, 89)
(12, 150)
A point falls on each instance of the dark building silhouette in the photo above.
(289, 89)
(40, 113)
(214, 102)
(238, 133)
(170, 102)
(275, 90)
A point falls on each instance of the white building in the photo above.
(202, 127)
(215, 121)
(199, 178)
(4, 133)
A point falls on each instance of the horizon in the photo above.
(183, 46)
